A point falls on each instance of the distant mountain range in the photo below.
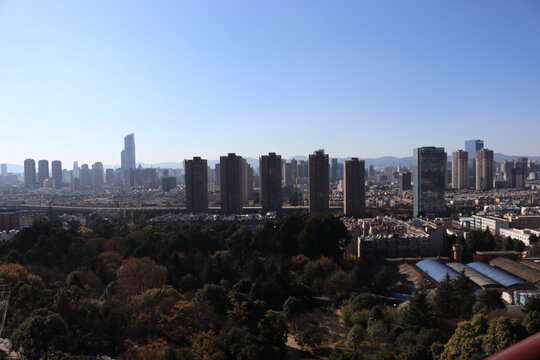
(376, 162)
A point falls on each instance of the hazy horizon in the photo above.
(378, 162)
(366, 79)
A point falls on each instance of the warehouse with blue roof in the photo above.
(502, 277)
(437, 269)
(475, 276)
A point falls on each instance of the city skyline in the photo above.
(385, 161)
(369, 79)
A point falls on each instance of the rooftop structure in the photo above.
(496, 274)
(485, 256)
(475, 276)
(517, 269)
(415, 276)
(390, 238)
(522, 222)
(531, 263)
(437, 270)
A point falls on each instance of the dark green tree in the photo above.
(216, 296)
(353, 355)
(42, 334)
(507, 244)
(381, 282)
(467, 340)
(487, 301)
(418, 313)
(519, 245)
(360, 302)
(535, 249)
(464, 290)
(359, 275)
(501, 334)
(14, 256)
(289, 230)
(445, 299)
(356, 336)
(311, 337)
(531, 320)
(264, 239)
(324, 235)
(273, 334)
(481, 241)
(240, 245)
(292, 306)
(104, 228)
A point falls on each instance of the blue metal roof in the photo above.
(496, 274)
(474, 275)
(401, 297)
(437, 270)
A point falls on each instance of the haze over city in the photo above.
(363, 79)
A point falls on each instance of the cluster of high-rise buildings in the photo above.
(86, 177)
(238, 183)
(234, 175)
(474, 168)
(43, 178)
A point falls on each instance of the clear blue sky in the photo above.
(358, 78)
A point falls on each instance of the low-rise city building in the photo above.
(519, 234)
(494, 224)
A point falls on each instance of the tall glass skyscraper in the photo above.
(429, 175)
(471, 147)
(128, 154)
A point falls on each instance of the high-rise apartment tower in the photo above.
(287, 174)
(319, 182)
(97, 171)
(471, 147)
(29, 173)
(484, 169)
(405, 181)
(354, 190)
(506, 168)
(56, 167)
(196, 185)
(270, 182)
(460, 166)
(43, 171)
(231, 169)
(429, 181)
